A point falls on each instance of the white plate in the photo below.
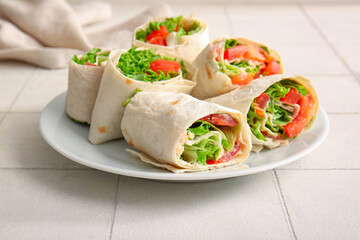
(71, 140)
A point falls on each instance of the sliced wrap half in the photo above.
(183, 134)
(278, 108)
(85, 72)
(168, 40)
(229, 62)
(115, 88)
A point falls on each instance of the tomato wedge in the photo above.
(90, 64)
(242, 79)
(271, 68)
(162, 32)
(158, 41)
(302, 119)
(292, 97)
(165, 66)
(254, 53)
(221, 119)
(262, 100)
(235, 52)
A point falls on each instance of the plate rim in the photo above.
(169, 176)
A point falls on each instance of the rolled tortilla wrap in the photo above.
(158, 125)
(214, 80)
(242, 98)
(83, 85)
(115, 88)
(186, 46)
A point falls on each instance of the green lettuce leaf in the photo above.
(135, 64)
(127, 101)
(207, 148)
(91, 57)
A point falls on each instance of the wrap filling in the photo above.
(146, 65)
(169, 31)
(244, 62)
(95, 57)
(281, 112)
(211, 140)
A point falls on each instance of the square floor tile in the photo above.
(12, 83)
(238, 208)
(21, 145)
(322, 204)
(51, 204)
(310, 59)
(350, 54)
(336, 93)
(339, 150)
(43, 86)
(272, 24)
(335, 19)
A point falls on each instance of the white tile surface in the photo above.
(335, 19)
(322, 204)
(12, 83)
(239, 208)
(336, 93)
(43, 86)
(339, 150)
(350, 54)
(21, 145)
(272, 24)
(50, 204)
(310, 59)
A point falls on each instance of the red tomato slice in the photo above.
(165, 66)
(302, 119)
(90, 64)
(271, 68)
(292, 97)
(162, 32)
(242, 79)
(230, 155)
(221, 119)
(235, 52)
(262, 100)
(158, 41)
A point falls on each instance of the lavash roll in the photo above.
(83, 86)
(241, 98)
(154, 124)
(189, 45)
(115, 88)
(210, 81)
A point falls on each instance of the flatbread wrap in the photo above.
(278, 108)
(127, 70)
(230, 62)
(85, 72)
(183, 134)
(184, 37)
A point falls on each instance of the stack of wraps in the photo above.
(115, 88)
(242, 98)
(157, 123)
(187, 46)
(211, 80)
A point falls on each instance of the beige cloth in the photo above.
(47, 33)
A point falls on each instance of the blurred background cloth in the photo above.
(47, 33)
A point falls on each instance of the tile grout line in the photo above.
(323, 36)
(116, 198)
(283, 203)
(21, 91)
